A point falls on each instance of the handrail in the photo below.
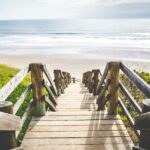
(13, 83)
(102, 97)
(130, 119)
(9, 122)
(114, 87)
(21, 99)
(140, 83)
(51, 95)
(103, 78)
(39, 101)
(130, 98)
(50, 79)
(103, 91)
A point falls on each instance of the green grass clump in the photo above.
(6, 74)
(138, 96)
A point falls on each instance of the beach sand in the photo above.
(76, 66)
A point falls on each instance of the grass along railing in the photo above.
(109, 90)
(41, 94)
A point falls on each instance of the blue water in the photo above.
(127, 39)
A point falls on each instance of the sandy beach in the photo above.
(76, 66)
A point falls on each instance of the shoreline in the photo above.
(70, 63)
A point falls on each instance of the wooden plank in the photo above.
(129, 117)
(103, 78)
(51, 95)
(74, 123)
(7, 137)
(78, 113)
(138, 81)
(13, 83)
(130, 98)
(81, 147)
(61, 102)
(26, 113)
(37, 78)
(65, 118)
(49, 79)
(77, 141)
(76, 128)
(50, 104)
(21, 99)
(80, 134)
(78, 107)
(18, 148)
(102, 94)
(24, 117)
(9, 122)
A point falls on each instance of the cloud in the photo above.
(54, 9)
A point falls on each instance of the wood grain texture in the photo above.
(37, 79)
(13, 83)
(73, 127)
(113, 77)
(50, 79)
(9, 122)
(81, 147)
(21, 99)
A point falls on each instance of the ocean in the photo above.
(120, 39)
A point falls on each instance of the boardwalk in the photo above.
(76, 125)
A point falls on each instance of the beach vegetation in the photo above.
(138, 96)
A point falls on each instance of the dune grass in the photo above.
(138, 96)
(7, 73)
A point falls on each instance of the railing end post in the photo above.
(7, 138)
(37, 79)
(113, 76)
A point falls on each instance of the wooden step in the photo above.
(76, 125)
(80, 147)
(76, 128)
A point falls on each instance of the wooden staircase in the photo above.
(77, 125)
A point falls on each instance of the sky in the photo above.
(73, 9)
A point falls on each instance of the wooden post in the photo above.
(145, 131)
(113, 77)
(57, 76)
(62, 83)
(38, 89)
(7, 138)
(69, 78)
(87, 78)
(96, 73)
(65, 79)
(74, 80)
(83, 78)
(90, 84)
(67, 75)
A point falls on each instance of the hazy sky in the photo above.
(74, 9)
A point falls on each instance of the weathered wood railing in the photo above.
(41, 81)
(91, 80)
(109, 89)
(62, 80)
